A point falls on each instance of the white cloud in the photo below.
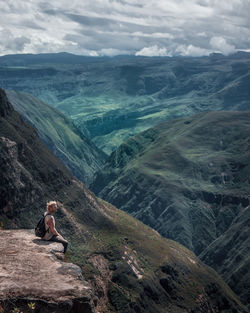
(183, 50)
(191, 50)
(219, 44)
(106, 27)
(152, 51)
(153, 35)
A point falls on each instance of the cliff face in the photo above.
(30, 272)
(129, 267)
(188, 179)
(5, 107)
(31, 175)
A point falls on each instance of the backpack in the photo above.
(40, 229)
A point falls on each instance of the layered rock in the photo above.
(30, 272)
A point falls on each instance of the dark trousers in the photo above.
(60, 240)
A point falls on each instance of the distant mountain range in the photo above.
(130, 267)
(111, 99)
(188, 178)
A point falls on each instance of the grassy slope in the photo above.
(30, 175)
(183, 159)
(184, 272)
(229, 255)
(77, 152)
(187, 178)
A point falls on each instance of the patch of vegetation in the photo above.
(118, 299)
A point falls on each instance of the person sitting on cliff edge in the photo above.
(51, 232)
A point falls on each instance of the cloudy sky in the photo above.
(111, 27)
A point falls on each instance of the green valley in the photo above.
(111, 99)
(60, 135)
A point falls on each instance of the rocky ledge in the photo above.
(33, 278)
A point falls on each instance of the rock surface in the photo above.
(5, 107)
(30, 271)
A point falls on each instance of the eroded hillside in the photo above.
(189, 179)
(60, 135)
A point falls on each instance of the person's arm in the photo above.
(51, 224)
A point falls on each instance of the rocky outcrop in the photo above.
(5, 106)
(30, 272)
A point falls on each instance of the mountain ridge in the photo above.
(187, 178)
(130, 267)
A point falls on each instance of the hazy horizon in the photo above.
(122, 55)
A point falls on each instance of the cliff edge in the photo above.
(31, 274)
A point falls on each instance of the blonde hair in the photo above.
(50, 204)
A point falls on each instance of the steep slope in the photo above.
(229, 255)
(60, 135)
(31, 175)
(187, 178)
(130, 267)
(111, 99)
